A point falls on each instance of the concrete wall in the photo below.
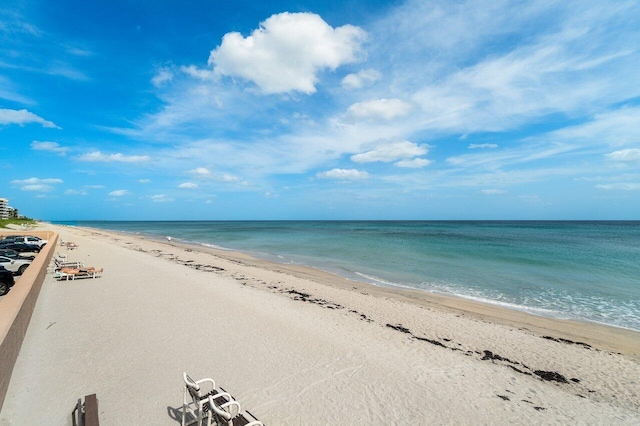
(18, 305)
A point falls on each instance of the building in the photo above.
(4, 208)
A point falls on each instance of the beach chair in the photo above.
(59, 275)
(56, 265)
(74, 272)
(230, 413)
(200, 406)
(67, 264)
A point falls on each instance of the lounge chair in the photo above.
(199, 407)
(59, 275)
(66, 264)
(74, 272)
(230, 413)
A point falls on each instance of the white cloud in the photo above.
(379, 109)
(617, 127)
(37, 188)
(163, 76)
(161, 198)
(84, 190)
(79, 52)
(200, 171)
(632, 154)
(144, 181)
(391, 151)
(287, 52)
(620, 186)
(416, 163)
(343, 174)
(9, 92)
(572, 63)
(119, 193)
(36, 184)
(364, 78)
(229, 178)
(482, 145)
(98, 156)
(195, 72)
(49, 146)
(493, 191)
(188, 185)
(22, 117)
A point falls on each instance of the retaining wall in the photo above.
(18, 305)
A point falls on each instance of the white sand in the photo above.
(327, 359)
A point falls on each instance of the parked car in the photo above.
(12, 254)
(17, 266)
(20, 247)
(6, 281)
(27, 239)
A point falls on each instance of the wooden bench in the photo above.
(86, 414)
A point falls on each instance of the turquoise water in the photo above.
(588, 271)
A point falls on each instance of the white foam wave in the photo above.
(377, 280)
(215, 246)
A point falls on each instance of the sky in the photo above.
(339, 110)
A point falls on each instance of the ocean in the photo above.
(586, 271)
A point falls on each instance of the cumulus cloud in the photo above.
(163, 76)
(22, 117)
(391, 151)
(416, 163)
(49, 146)
(98, 156)
(200, 171)
(364, 78)
(379, 109)
(343, 174)
(632, 154)
(36, 184)
(188, 185)
(119, 193)
(287, 52)
(482, 145)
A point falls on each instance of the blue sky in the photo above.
(152, 109)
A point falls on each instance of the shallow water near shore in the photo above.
(586, 271)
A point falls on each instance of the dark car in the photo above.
(6, 281)
(20, 247)
(12, 254)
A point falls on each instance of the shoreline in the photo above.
(604, 336)
(551, 295)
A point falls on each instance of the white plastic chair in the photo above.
(230, 413)
(199, 405)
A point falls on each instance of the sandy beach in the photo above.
(298, 346)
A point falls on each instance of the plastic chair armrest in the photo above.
(219, 409)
